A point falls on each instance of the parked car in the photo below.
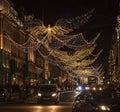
(97, 101)
(48, 93)
(4, 95)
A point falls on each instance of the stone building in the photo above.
(16, 65)
(114, 58)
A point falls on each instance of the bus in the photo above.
(92, 80)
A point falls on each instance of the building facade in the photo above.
(16, 65)
(114, 58)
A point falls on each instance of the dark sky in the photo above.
(103, 20)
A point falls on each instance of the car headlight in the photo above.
(79, 88)
(87, 88)
(54, 94)
(94, 88)
(77, 101)
(104, 108)
(39, 94)
(100, 89)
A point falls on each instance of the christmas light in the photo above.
(53, 38)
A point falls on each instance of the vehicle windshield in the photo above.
(48, 88)
(105, 96)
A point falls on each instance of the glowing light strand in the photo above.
(75, 23)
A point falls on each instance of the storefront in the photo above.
(34, 74)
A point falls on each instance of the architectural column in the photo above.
(118, 48)
(47, 73)
(1, 32)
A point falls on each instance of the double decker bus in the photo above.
(92, 80)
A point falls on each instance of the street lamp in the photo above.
(118, 37)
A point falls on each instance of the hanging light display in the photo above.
(61, 28)
(53, 38)
(77, 22)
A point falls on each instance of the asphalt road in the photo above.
(29, 105)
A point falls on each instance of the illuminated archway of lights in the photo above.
(53, 38)
(59, 35)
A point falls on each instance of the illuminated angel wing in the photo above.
(36, 29)
(41, 29)
(60, 30)
(75, 23)
(62, 26)
(30, 23)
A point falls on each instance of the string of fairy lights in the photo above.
(53, 38)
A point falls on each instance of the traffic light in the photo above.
(108, 82)
(49, 81)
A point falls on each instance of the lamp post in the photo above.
(118, 48)
(46, 70)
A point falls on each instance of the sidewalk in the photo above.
(15, 98)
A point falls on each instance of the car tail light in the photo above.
(3, 94)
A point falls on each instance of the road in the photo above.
(30, 105)
(37, 108)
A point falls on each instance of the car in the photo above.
(4, 95)
(97, 101)
(48, 93)
(83, 87)
(96, 87)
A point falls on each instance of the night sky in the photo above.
(103, 20)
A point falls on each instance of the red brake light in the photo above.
(3, 94)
